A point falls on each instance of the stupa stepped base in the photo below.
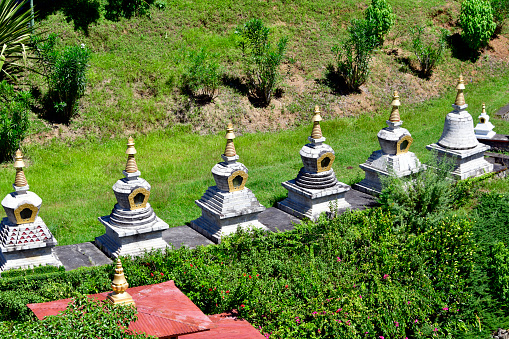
(223, 212)
(381, 165)
(133, 241)
(42, 256)
(468, 163)
(310, 203)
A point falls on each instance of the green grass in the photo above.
(75, 182)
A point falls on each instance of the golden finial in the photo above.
(20, 179)
(119, 286)
(395, 108)
(483, 108)
(460, 99)
(130, 166)
(317, 131)
(229, 151)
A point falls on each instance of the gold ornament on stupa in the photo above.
(131, 166)
(460, 99)
(317, 131)
(229, 151)
(119, 285)
(20, 180)
(395, 108)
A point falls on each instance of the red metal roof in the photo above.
(163, 310)
(227, 327)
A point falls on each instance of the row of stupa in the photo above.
(133, 227)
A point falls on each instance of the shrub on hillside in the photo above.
(14, 120)
(380, 13)
(429, 48)
(476, 21)
(261, 59)
(65, 71)
(353, 55)
(201, 78)
(82, 12)
(116, 9)
(500, 13)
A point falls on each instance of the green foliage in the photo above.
(261, 60)
(428, 48)
(491, 214)
(116, 9)
(14, 119)
(14, 34)
(83, 318)
(379, 12)
(476, 21)
(65, 71)
(36, 270)
(201, 78)
(354, 54)
(499, 269)
(160, 4)
(500, 12)
(82, 12)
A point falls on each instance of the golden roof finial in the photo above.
(316, 133)
(229, 151)
(20, 179)
(460, 99)
(483, 108)
(395, 108)
(119, 286)
(131, 166)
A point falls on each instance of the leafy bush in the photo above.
(379, 12)
(83, 318)
(116, 9)
(14, 34)
(500, 12)
(261, 60)
(82, 13)
(14, 121)
(428, 48)
(36, 270)
(476, 21)
(354, 54)
(201, 78)
(65, 71)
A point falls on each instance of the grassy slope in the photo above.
(137, 64)
(75, 182)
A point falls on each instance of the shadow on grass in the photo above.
(275, 199)
(256, 98)
(82, 13)
(460, 49)
(335, 82)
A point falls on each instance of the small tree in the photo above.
(14, 122)
(354, 54)
(261, 60)
(428, 48)
(476, 20)
(380, 14)
(201, 78)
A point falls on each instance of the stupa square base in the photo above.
(216, 229)
(28, 258)
(310, 203)
(468, 163)
(134, 241)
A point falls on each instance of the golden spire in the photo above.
(317, 131)
(229, 151)
(20, 179)
(460, 99)
(395, 108)
(119, 286)
(130, 166)
(483, 108)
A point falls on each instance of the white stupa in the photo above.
(484, 129)
(459, 143)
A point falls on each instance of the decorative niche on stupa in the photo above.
(393, 158)
(459, 142)
(316, 188)
(484, 129)
(229, 204)
(132, 227)
(25, 240)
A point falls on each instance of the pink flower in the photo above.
(242, 305)
(162, 274)
(151, 274)
(397, 324)
(408, 302)
(360, 296)
(339, 259)
(416, 321)
(381, 337)
(436, 329)
(385, 276)
(445, 308)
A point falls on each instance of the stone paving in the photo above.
(87, 254)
